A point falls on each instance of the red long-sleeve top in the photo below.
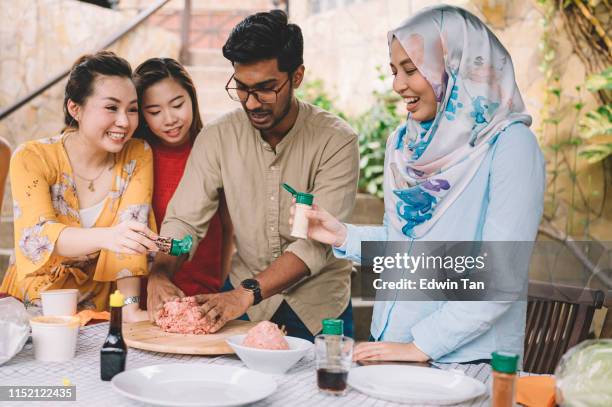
(203, 273)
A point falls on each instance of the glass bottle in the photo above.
(114, 351)
(174, 247)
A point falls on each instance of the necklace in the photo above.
(90, 186)
(91, 181)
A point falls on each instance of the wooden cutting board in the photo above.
(147, 336)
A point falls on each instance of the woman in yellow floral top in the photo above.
(82, 199)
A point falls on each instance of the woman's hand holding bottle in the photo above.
(129, 237)
(323, 226)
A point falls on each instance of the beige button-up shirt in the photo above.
(319, 155)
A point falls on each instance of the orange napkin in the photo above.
(536, 391)
(87, 315)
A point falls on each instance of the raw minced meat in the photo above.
(266, 335)
(182, 316)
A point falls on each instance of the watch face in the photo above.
(250, 284)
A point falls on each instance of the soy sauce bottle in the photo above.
(114, 351)
(331, 376)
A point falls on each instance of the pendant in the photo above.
(91, 186)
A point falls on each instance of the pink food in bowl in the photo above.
(266, 335)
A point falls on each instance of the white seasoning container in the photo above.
(303, 202)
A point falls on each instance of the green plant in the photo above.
(374, 127)
(595, 127)
(576, 143)
(314, 92)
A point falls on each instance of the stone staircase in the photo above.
(211, 24)
(210, 72)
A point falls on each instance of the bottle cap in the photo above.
(504, 362)
(182, 246)
(117, 299)
(333, 327)
(304, 198)
(300, 197)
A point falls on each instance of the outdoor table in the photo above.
(297, 387)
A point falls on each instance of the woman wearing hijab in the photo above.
(463, 167)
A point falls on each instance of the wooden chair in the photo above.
(606, 329)
(558, 317)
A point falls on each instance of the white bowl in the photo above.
(270, 361)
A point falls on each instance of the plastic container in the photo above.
(303, 202)
(55, 338)
(504, 378)
(59, 302)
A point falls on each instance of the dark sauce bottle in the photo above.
(330, 377)
(114, 351)
(332, 380)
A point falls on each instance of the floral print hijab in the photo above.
(429, 164)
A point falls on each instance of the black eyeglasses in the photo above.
(262, 95)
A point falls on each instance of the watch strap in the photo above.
(252, 285)
(132, 300)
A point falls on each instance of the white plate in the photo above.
(412, 384)
(194, 384)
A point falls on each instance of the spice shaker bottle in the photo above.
(173, 247)
(504, 378)
(303, 201)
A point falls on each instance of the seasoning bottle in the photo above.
(114, 351)
(331, 374)
(303, 201)
(504, 378)
(173, 247)
(333, 327)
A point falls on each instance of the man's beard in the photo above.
(284, 113)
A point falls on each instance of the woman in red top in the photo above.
(170, 121)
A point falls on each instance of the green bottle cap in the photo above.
(304, 198)
(504, 362)
(333, 327)
(181, 246)
(300, 197)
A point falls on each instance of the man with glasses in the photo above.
(249, 153)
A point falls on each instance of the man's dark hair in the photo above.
(266, 36)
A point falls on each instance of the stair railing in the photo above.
(140, 18)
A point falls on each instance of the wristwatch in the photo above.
(252, 285)
(131, 300)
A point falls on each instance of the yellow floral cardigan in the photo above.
(45, 202)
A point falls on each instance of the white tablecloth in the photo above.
(296, 388)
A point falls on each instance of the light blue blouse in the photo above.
(503, 202)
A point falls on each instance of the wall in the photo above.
(40, 38)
